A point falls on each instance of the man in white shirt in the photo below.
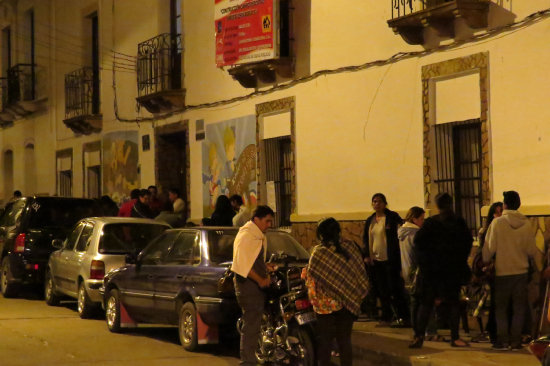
(243, 214)
(251, 275)
(511, 239)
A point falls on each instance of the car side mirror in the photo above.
(138, 261)
(57, 243)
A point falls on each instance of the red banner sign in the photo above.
(244, 31)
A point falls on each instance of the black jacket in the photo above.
(393, 220)
(442, 247)
(141, 210)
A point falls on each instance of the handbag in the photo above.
(226, 287)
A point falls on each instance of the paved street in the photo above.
(32, 333)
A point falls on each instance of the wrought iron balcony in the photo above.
(410, 17)
(81, 102)
(159, 73)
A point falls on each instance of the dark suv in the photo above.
(27, 228)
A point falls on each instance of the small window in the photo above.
(73, 236)
(185, 249)
(85, 238)
(155, 252)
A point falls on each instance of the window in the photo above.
(6, 51)
(175, 38)
(458, 158)
(278, 174)
(220, 245)
(186, 249)
(128, 238)
(155, 252)
(85, 238)
(95, 63)
(73, 237)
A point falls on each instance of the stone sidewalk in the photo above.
(374, 345)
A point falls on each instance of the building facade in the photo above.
(406, 98)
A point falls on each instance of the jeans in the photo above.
(391, 289)
(510, 290)
(251, 299)
(336, 325)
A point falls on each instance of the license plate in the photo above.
(305, 318)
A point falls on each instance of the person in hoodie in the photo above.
(251, 275)
(511, 240)
(406, 233)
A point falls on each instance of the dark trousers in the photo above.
(391, 291)
(251, 299)
(336, 325)
(510, 291)
(427, 303)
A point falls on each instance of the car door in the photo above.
(75, 261)
(59, 260)
(177, 273)
(137, 288)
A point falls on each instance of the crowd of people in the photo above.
(414, 270)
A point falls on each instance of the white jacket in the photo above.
(247, 246)
(512, 240)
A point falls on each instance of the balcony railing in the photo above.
(21, 83)
(79, 93)
(159, 64)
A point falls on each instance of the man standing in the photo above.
(177, 202)
(441, 246)
(154, 202)
(511, 239)
(251, 275)
(243, 214)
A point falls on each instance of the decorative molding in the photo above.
(476, 62)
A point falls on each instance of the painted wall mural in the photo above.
(229, 161)
(120, 162)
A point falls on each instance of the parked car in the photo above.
(174, 280)
(94, 247)
(27, 228)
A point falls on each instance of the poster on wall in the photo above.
(120, 161)
(244, 31)
(229, 162)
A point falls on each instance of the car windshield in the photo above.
(221, 245)
(62, 213)
(126, 238)
(278, 241)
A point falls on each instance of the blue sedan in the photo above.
(174, 281)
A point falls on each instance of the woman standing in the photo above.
(382, 253)
(337, 283)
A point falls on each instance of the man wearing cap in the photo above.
(510, 238)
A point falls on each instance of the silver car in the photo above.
(94, 247)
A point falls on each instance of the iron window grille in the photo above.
(458, 159)
(79, 93)
(159, 64)
(401, 8)
(21, 83)
(278, 163)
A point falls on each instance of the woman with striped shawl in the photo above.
(337, 284)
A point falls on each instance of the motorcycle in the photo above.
(287, 330)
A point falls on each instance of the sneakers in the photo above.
(516, 347)
(417, 342)
(482, 338)
(499, 347)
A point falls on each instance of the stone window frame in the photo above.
(268, 108)
(478, 62)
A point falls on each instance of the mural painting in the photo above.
(229, 161)
(120, 162)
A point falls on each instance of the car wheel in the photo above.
(85, 306)
(8, 289)
(112, 311)
(50, 295)
(187, 327)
